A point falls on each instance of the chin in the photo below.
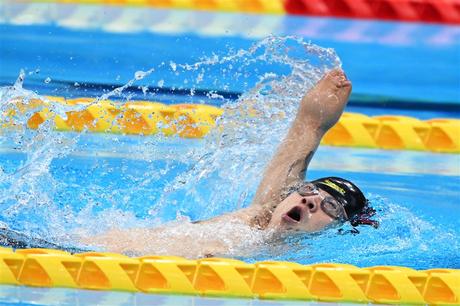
(289, 229)
(278, 227)
(285, 228)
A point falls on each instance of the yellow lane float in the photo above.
(253, 6)
(229, 277)
(196, 120)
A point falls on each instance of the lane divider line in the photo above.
(229, 277)
(391, 132)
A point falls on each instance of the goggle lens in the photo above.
(333, 209)
(307, 190)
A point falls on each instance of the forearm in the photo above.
(290, 162)
(295, 153)
(319, 110)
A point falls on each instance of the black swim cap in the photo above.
(345, 192)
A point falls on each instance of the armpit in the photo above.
(262, 219)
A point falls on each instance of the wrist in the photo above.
(310, 125)
(320, 119)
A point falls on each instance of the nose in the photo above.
(312, 207)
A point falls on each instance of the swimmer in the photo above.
(284, 202)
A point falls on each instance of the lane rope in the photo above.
(229, 277)
(196, 120)
(447, 11)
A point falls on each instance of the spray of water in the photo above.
(235, 153)
(216, 176)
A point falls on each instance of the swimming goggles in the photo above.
(329, 205)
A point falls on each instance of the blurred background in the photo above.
(401, 54)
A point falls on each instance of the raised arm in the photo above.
(319, 110)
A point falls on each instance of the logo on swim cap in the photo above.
(345, 192)
(334, 186)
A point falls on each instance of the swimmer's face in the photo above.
(302, 212)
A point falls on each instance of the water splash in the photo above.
(246, 135)
(235, 153)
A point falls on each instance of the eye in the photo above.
(329, 202)
(304, 201)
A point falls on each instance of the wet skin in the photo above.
(301, 214)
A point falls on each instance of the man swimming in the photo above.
(283, 203)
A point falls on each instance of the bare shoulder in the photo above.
(243, 215)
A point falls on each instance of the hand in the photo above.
(324, 103)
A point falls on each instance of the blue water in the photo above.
(416, 195)
(28, 296)
(387, 61)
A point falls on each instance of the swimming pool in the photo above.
(54, 184)
(118, 184)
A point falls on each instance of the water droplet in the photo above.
(199, 78)
(139, 75)
(36, 71)
(20, 79)
(47, 80)
(173, 66)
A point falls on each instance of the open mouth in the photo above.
(294, 215)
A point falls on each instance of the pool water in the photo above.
(92, 45)
(26, 296)
(419, 227)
